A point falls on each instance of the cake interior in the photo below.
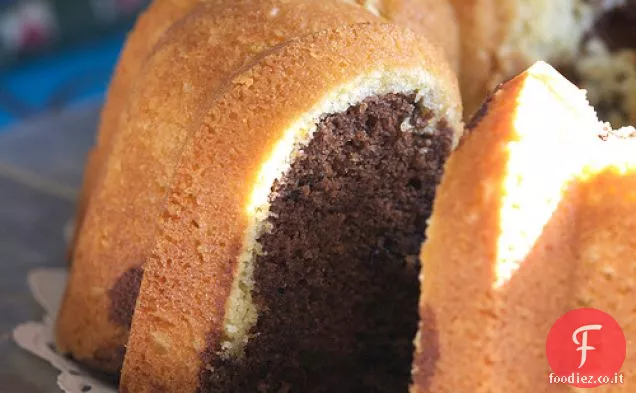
(335, 284)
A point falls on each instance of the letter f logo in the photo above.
(583, 344)
(571, 339)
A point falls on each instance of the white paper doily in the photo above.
(47, 287)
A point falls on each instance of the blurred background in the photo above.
(56, 58)
(56, 53)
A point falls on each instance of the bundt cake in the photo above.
(434, 19)
(533, 218)
(286, 256)
(591, 42)
(190, 66)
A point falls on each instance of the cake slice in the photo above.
(533, 218)
(501, 253)
(191, 66)
(286, 258)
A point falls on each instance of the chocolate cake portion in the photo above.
(601, 66)
(337, 287)
(617, 27)
(123, 296)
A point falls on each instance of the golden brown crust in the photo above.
(480, 37)
(172, 88)
(190, 271)
(149, 27)
(434, 19)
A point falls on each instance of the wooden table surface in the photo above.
(41, 164)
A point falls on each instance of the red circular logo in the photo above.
(586, 348)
